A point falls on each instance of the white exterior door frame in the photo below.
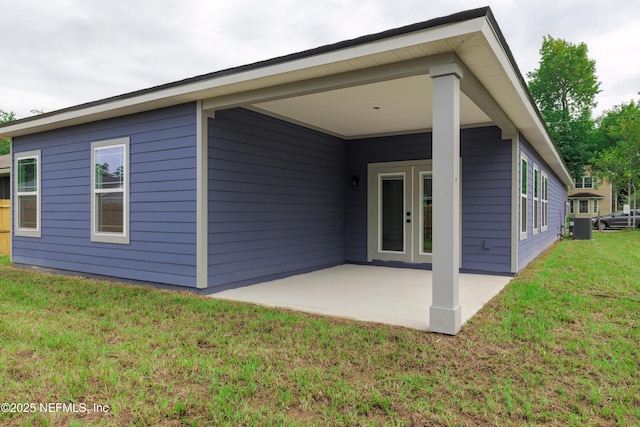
(411, 249)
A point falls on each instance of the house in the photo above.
(5, 177)
(586, 199)
(418, 146)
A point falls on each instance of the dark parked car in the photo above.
(616, 219)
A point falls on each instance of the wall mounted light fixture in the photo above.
(355, 181)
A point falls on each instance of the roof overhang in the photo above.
(374, 85)
(585, 195)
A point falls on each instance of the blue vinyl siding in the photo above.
(276, 199)
(486, 193)
(486, 201)
(534, 245)
(162, 206)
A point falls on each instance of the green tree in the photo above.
(5, 117)
(619, 163)
(564, 87)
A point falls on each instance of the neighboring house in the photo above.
(586, 200)
(5, 207)
(369, 151)
(5, 177)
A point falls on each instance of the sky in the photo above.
(60, 53)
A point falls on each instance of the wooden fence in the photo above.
(5, 227)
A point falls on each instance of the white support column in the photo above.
(202, 199)
(444, 314)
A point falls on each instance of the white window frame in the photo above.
(582, 183)
(580, 211)
(545, 201)
(110, 237)
(596, 206)
(524, 197)
(23, 231)
(536, 199)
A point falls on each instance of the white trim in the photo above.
(545, 201)
(202, 197)
(28, 232)
(535, 188)
(12, 204)
(106, 237)
(411, 170)
(524, 210)
(515, 202)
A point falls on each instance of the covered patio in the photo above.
(394, 296)
(417, 146)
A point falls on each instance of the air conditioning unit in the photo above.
(582, 228)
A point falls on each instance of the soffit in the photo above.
(389, 107)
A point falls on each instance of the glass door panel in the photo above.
(427, 212)
(392, 207)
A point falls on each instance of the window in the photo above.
(27, 207)
(584, 182)
(110, 191)
(535, 200)
(587, 182)
(523, 197)
(583, 206)
(545, 202)
(572, 209)
(596, 206)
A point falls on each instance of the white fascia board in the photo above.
(541, 135)
(198, 90)
(343, 80)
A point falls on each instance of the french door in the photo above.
(400, 205)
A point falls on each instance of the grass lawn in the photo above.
(559, 346)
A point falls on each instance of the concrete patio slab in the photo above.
(396, 296)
